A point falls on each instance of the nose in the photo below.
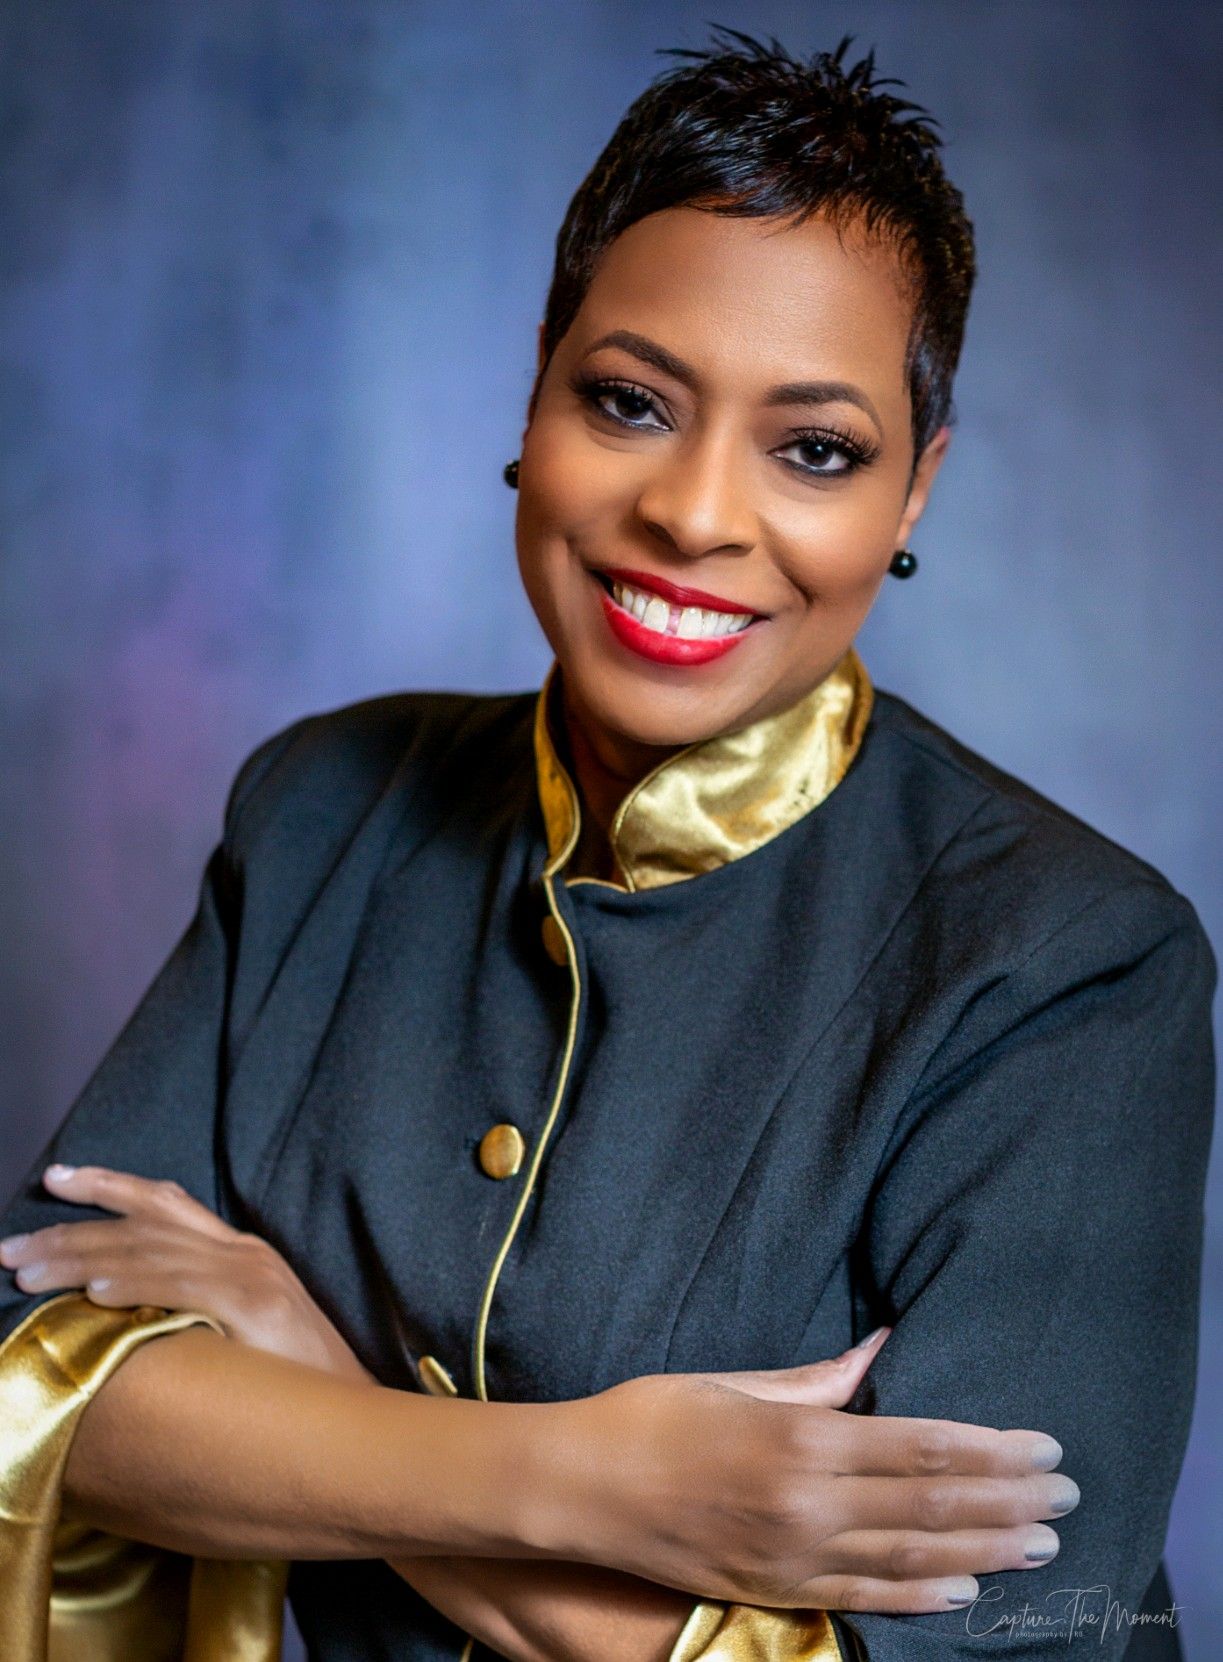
(697, 498)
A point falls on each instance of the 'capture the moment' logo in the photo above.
(1083, 1612)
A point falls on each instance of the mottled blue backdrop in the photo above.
(269, 278)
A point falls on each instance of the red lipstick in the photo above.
(662, 648)
(677, 593)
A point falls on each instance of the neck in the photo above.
(604, 767)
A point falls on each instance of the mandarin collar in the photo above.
(718, 799)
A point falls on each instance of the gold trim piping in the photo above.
(557, 1097)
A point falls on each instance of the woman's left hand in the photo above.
(167, 1249)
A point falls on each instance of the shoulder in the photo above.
(1028, 923)
(322, 773)
(1013, 865)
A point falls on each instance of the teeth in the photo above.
(691, 623)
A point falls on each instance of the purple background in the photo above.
(269, 279)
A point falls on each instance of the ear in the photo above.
(928, 464)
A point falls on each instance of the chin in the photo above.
(652, 708)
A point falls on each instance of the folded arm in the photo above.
(320, 1467)
(166, 1249)
(1035, 1234)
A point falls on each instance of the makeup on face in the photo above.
(670, 623)
(715, 473)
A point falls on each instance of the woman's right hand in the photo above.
(757, 1488)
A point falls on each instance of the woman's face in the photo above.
(672, 448)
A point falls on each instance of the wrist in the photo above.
(552, 1486)
(499, 1480)
(573, 1484)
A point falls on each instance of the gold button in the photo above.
(501, 1150)
(435, 1379)
(554, 941)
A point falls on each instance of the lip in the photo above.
(664, 649)
(677, 593)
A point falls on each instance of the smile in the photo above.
(666, 632)
(690, 623)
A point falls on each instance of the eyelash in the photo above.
(857, 454)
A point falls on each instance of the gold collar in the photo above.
(719, 798)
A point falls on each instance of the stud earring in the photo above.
(510, 474)
(904, 563)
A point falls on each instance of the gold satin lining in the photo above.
(719, 798)
(750, 1633)
(69, 1593)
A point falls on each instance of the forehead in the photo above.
(756, 299)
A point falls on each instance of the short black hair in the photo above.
(749, 130)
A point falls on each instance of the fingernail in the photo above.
(870, 1338)
(60, 1171)
(1040, 1551)
(29, 1275)
(99, 1284)
(962, 1597)
(1046, 1454)
(1065, 1500)
(13, 1243)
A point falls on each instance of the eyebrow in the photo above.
(790, 392)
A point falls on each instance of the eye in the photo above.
(830, 453)
(621, 401)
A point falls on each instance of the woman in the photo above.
(605, 1061)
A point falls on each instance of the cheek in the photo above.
(573, 506)
(572, 486)
(837, 550)
(552, 521)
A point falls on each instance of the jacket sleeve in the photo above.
(150, 1107)
(1035, 1236)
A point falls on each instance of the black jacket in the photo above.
(937, 1055)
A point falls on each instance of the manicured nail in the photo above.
(1046, 1454)
(1040, 1552)
(13, 1243)
(870, 1338)
(1066, 1499)
(963, 1597)
(99, 1284)
(29, 1275)
(60, 1171)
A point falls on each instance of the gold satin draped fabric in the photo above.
(750, 1633)
(73, 1594)
(69, 1593)
(721, 798)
